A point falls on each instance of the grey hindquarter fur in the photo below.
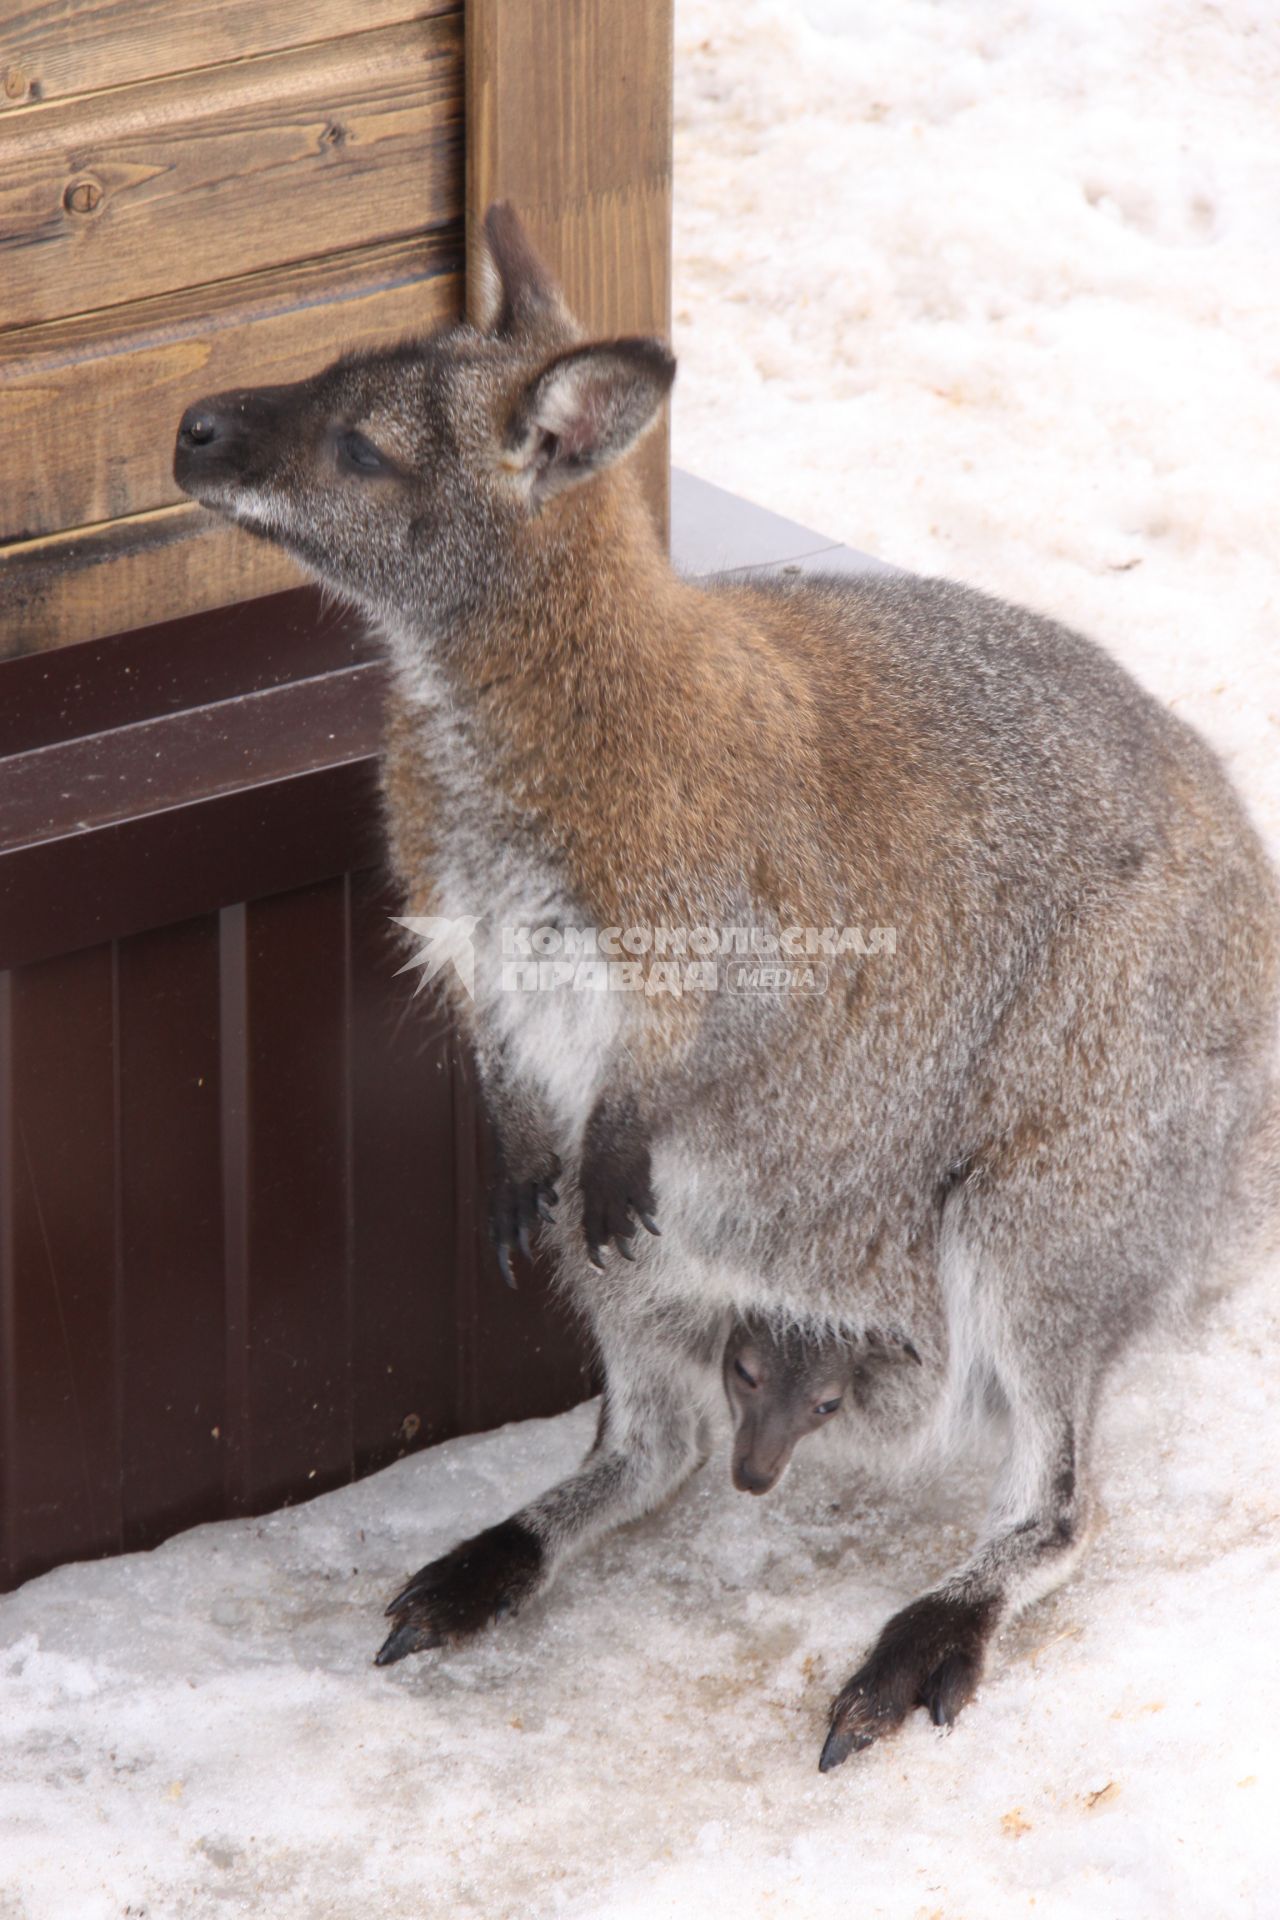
(999, 1146)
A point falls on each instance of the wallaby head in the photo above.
(412, 477)
(781, 1385)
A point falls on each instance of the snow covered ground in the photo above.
(988, 289)
(198, 1732)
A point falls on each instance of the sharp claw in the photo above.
(840, 1743)
(523, 1238)
(407, 1593)
(504, 1266)
(553, 1195)
(649, 1224)
(595, 1257)
(625, 1247)
(406, 1638)
(543, 1209)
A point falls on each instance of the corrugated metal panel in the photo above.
(241, 1256)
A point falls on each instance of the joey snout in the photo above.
(781, 1383)
(761, 1455)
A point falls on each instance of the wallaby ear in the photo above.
(518, 294)
(586, 409)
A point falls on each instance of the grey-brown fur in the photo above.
(1013, 1140)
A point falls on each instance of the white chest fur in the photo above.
(491, 863)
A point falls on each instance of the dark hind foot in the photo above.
(466, 1589)
(929, 1655)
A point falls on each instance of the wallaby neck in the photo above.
(583, 598)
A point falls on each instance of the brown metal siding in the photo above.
(241, 1248)
(233, 1155)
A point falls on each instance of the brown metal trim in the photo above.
(99, 684)
(109, 834)
(188, 860)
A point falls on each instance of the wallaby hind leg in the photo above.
(652, 1435)
(931, 1654)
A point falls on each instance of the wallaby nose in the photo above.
(199, 426)
(216, 436)
(749, 1479)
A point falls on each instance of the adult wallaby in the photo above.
(1012, 1133)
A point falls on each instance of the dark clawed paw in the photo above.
(950, 1687)
(617, 1196)
(481, 1581)
(858, 1717)
(929, 1655)
(406, 1638)
(516, 1208)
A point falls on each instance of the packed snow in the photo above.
(987, 289)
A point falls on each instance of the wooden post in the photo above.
(568, 115)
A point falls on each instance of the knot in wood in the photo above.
(83, 196)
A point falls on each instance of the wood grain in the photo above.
(569, 117)
(91, 404)
(130, 573)
(176, 182)
(52, 49)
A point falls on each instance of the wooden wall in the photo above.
(196, 194)
(569, 117)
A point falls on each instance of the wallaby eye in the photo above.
(357, 452)
(824, 1407)
(747, 1378)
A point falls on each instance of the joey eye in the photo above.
(359, 453)
(747, 1378)
(824, 1407)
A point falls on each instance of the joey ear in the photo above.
(587, 408)
(520, 295)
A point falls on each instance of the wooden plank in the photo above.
(130, 573)
(91, 404)
(170, 183)
(569, 117)
(51, 49)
